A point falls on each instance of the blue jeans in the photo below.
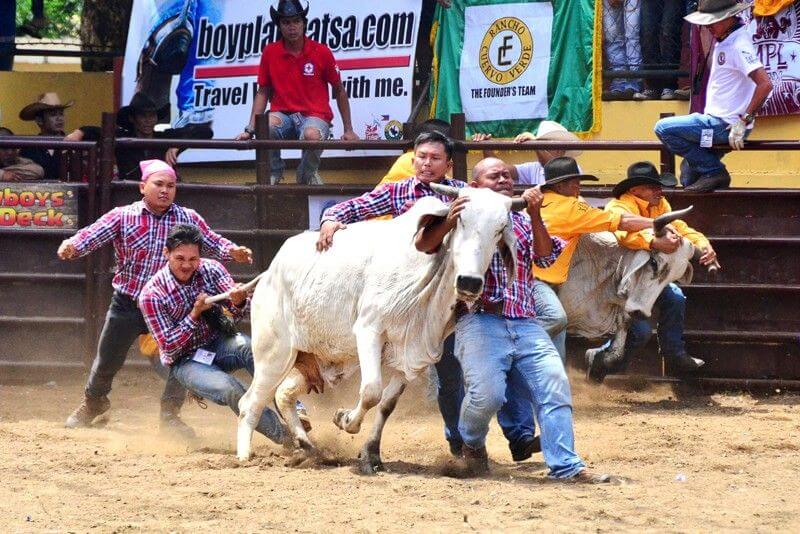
(621, 41)
(682, 137)
(124, 323)
(662, 24)
(551, 315)
(671, 310)
(489, 348)
(515, 417)
(213, 382)
(293, 127)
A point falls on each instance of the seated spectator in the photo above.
(403, 166)
(622, 47)
(662, 25)
(138, 119)
(14, 168)
(532, 172)
(48, 113)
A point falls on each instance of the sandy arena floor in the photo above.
(719, 463)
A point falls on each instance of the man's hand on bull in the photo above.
(326, 232)
(200, 305)
(533, 196)
(709, 256)
(241, 254)
(67, 251)
(455, 209)
(238, 295)
(667, 243)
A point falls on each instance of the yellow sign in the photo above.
(506, 50)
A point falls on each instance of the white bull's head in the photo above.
(644, 277)
(482, 226)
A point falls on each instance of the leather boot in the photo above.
(475, 460)
(710, 182)
(684, 364)
(88, 411)
(171, 423)
(525, 448)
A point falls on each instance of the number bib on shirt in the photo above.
(203, 356)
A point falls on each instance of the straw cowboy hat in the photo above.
(553, 131)
(44, 102)
(643, 173)
(711, 11)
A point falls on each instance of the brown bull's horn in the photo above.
(660, 222)
(447, 190)
(518, 203)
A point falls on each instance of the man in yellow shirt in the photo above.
(641, 193)
(568, 216)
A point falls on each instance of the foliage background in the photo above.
(64, 17)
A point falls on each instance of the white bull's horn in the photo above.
(447, 190)
(518, 203)
(660, 222)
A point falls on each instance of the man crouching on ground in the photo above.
(500, 336)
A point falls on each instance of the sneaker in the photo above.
(88, 411)
(668, 94)
(614, 94)
(525, 448)
(710, 182)
(639, 96)
(683, 94)
(651, 94)
(685, 364)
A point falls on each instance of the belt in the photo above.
(490, 308)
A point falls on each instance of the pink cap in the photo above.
(152, 166)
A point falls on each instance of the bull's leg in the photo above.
(273, 358)
(602, 359)
(286, 400)
(370, 455)
(369, 345)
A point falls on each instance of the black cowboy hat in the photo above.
(140, 103)
(288, 8)
(643, 173)
(562, 169)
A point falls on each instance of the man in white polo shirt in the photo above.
(737, 87)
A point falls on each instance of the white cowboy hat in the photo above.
(553, 131)
(711, 11)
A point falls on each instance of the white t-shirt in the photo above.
(532, 173)
(730, 88)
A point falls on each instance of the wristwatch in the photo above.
(250, 130)
(748, 118)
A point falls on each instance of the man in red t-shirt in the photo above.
(294, 75)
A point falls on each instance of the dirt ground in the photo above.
(715, 463)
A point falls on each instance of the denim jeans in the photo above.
(670, 307)
(682, 136)
(124, 323)
(515, 417)
(621, 41)
(213, 382)
(551, 315)
(489, 347)
(293, 127)
(662, 24)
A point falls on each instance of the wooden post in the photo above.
(667, 157)
(262, 154)
(458, 130)
(263, 173)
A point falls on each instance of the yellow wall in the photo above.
(92, 93)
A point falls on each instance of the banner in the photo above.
(509, 64)
(777, 41)
(221, 42)
(32, 206)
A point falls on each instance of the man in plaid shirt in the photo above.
(190, 340)
(500, 337)
(138, 232)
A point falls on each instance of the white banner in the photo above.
(374, 45)
(505, 61)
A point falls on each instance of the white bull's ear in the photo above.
(627, 271)
(428, 210)
(508, 251)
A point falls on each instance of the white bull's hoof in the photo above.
(344, 420)
(596, 370)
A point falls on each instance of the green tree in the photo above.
(64, 17)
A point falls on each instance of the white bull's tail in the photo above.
(249, 286)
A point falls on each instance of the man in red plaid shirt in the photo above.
(191, 338)
(138, 232)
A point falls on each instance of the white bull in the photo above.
(372, 298)
(608, 283)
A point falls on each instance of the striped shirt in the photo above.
(388, 199)
(139, 237)
(166, 303)
(517, 299)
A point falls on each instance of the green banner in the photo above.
(508, 65)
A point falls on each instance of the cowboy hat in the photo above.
(711, 11)
(44, 102)
(643, 173)
(288, 8)
(140, 103)
(562, 169)
(553, 131)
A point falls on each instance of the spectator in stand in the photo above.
(662, 24)
(532, 172)
(622, 47)
(14, 168)
(403, 167)
(293, 76)
(138, 119)
(738, 85)
(48, 113)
